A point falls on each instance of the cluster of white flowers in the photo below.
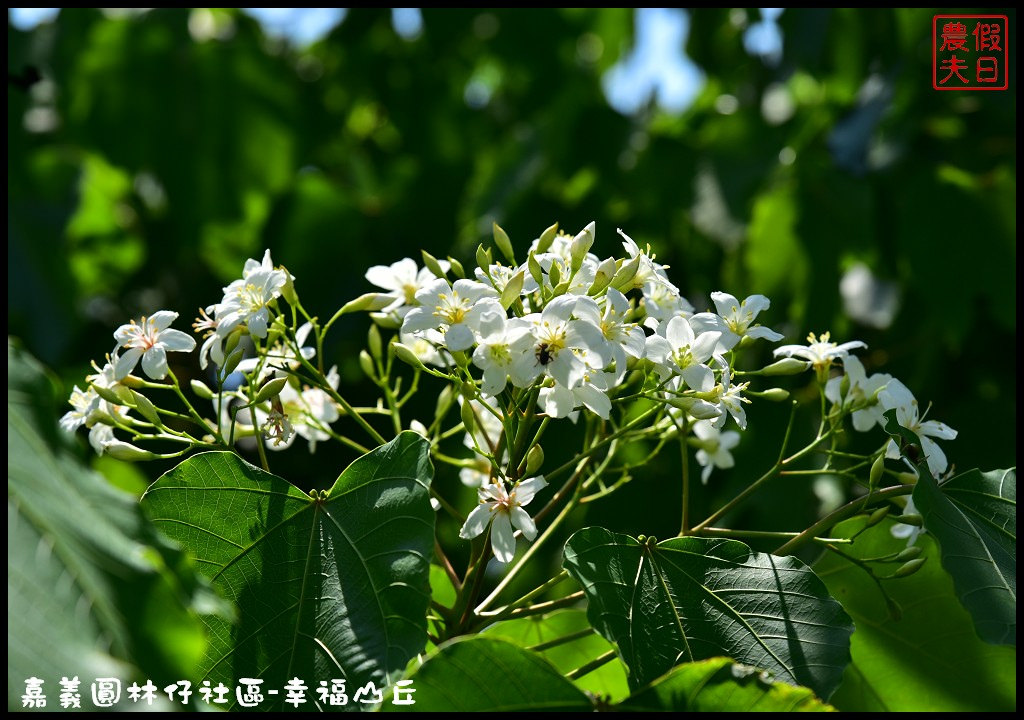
(570, 325)
(561, 334)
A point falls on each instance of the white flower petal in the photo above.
(526, 489)
(477, 521)
(522, 520)
(503, 540)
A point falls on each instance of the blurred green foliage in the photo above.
(149, 163)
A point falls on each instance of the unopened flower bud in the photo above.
(366, 363)
(373, 342)
(111, 394)
(771, 394)
(536, 272)
(433, 265)
(580, 246)
(875, 474)
(912, 552)
(785, 366)
(546, 238)
(288, 289)
(623, 279)
(200, 389)
(457, 268)
(272, 389)
(534, 459)
(388, 321)
(603, 277)
(419, 428)
(909, 568)
(406, 355)
(555, 273)
(844, 386)
(369, 302)
(483, 258)
(146, 408)
(878, 515)
(513, 289)
(444, 401)
(468, 419)
(912, 519)
(503, 243)
(126, 451)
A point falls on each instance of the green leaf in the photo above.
(690, 598)
(974, 518)
(608, 681)
(930, 659)
(721, 685)
(480, 674)
(92, 589)
(331, 586)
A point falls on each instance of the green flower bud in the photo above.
(406, 355)
(875, 474)
(271, 389)
(878, 515)
(546, 238)
(910, 553)
(231, 362)
(580, 246)
(126, 451)
(785, 366)
(503, 243)
(288, 290)
(771, 394)
(555, 273)
(468, 419)
(146, 408)
(513, 289)
(373, 342)
(388, 321)
(368, 302)
(844, 386)
(909, 568)
(366, 363)
(111, 394)
(433, 265)
(603, 278)
(534, 460)
(483, 258)
(623, 279)
(536, 272)
(200, 389)
(457, 268)
(912, 519)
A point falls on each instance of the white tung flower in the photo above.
(819, 352)
(862, 393)
(739, 318)
(897, 395)
(624, 338)
(83, 403)
(713, 447)
(248, 300)
(502, 342)
(149, 341)
(678, 350)
(504, 509)
(454, 309)
(402, 280)
(562, 347)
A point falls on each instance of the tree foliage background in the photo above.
(158, 151)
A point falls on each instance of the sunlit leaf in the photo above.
(334, 586)
(690, 598)
(927, 659)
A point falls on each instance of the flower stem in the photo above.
(849, 510)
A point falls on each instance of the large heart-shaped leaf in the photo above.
(927, 659)
(481, 674)
(974, 518)
(721, 685)
(542, 634)
(332, 586)
(92, 590)
(691, 598)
